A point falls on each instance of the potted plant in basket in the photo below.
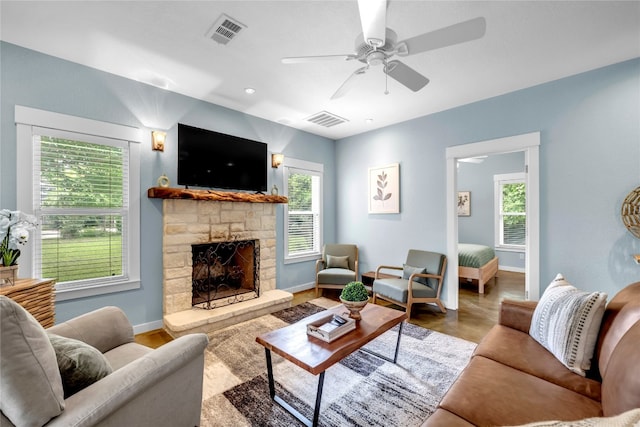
(354, 296)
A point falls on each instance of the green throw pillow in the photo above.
(337, 261)
(408, 270)
(80, 364)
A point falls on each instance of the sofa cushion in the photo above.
(337, 261)
(488, 393)
(566, 322)
(79, 363)
(30, 383)
(629, 418)
(518, 350)
(408, 270)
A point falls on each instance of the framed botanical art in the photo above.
(464, 203)
(384, 189)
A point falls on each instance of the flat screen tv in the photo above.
(216, 160)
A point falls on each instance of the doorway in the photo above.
(529, 144)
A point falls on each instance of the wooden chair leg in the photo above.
(444, 310)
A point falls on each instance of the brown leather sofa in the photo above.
(512, 380)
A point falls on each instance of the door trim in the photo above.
(529, 143)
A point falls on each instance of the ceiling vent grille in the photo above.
(326, 119)
(225, 29)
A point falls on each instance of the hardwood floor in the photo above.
(476, 313)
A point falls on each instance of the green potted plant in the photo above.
(354, 296)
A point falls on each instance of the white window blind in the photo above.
(511, 218)
(81, 200)
(303, 215)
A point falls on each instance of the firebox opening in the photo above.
(225, 273)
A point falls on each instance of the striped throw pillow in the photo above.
(566, 322)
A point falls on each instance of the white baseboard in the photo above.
(146, 327)
(512, 269)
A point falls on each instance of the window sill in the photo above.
(304, 258)
(510, 248)
(95, 290)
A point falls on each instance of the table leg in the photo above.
(395, 355)
(286, 406)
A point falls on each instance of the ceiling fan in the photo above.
(378, 44)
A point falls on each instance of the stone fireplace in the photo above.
(199, 217)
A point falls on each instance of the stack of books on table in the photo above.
(331, 327)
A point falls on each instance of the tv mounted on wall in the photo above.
(217, 160)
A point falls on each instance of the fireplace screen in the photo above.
(225, 273)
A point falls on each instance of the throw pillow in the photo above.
(337, 261)
(566, 322)
(30, 383)
(79, 363)
(408, 270)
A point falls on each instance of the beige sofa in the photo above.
(161, 387)
(513, 380)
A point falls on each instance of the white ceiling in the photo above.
(163, 43)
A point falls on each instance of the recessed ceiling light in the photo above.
(249, 90)
(368, 121)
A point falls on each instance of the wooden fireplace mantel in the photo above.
(212, 195)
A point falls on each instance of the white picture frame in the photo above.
(384, 189)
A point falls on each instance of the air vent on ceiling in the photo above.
(225, 29)
(326, 119)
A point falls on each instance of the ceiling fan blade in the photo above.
(307, 59)
(373, 17)
(447, 36)
(405, 75)
(349, 82)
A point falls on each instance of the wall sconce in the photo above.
(157, 140)
(276, 159)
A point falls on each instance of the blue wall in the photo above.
(589, 162)
(589, 155)
(479, 228)
(39, 81)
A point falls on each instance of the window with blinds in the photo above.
(303, 215)
(511, 217)
(81, 201)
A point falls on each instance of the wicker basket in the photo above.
(8, 275)
(631, 212)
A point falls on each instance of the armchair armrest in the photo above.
(104, 329)
(386, 267)
(161, 388)
(517, 314)
(319, 265)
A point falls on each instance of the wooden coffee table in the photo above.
(315, 355)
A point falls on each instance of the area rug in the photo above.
(362, 390)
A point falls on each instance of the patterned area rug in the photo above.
(362, 390)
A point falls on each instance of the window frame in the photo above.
(499, 181)
(27, 121)
(309, 168)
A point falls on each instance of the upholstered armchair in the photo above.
(89, 371)
(421, 281)
(337, 267)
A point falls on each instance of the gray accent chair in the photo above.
(148, 387)
(421, 281)
(337, 267)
